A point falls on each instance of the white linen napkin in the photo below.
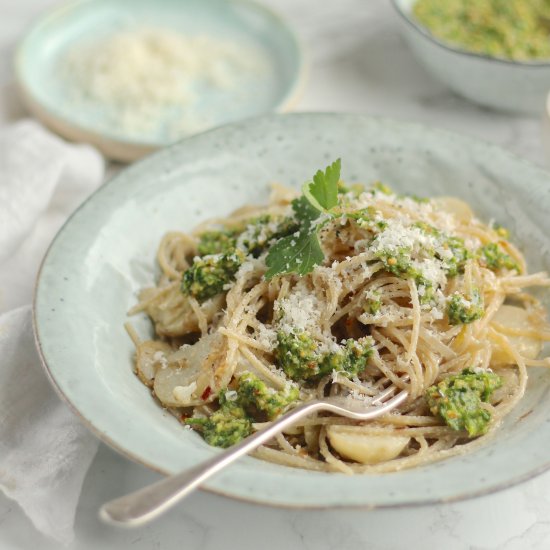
(44, 450)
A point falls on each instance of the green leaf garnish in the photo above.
(294, 255)
(322, 193)
(300, 252)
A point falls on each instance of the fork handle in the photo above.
(146, 504)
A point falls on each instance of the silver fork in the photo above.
(148, 503)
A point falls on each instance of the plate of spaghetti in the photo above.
(215, 285)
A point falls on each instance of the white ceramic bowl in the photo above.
(106, 252)
(489, 81)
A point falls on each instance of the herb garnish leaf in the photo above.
(295, 255)
(322, 193)
(300, 252)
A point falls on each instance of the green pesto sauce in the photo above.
(458, 400)
(399, 262)
(373, 305)
(298, 356)
(463, 310)
(510, 29)
(254, 401)
(455, 265)
(366, 219)
(255, 396)
(460, 254)
(217, 242)
(492, 256)
(224, 427)
(208, 275)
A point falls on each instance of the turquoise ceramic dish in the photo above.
(106, 252)
(271, 84)
(518, 86)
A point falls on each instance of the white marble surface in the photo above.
(358, 64)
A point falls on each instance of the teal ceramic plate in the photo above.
(259, 69)
(106, 252)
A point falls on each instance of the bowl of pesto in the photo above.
(495, 53)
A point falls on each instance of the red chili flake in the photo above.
(206, 393)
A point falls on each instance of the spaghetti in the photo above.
(408, 291)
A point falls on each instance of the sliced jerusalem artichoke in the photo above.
(150, 355)
(177, 384)
(517, 318)
(350, 442)
(172, 313)
(174, 386)
(213, 376)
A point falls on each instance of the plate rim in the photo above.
(258, 499)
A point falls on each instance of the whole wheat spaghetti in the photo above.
(343, 290)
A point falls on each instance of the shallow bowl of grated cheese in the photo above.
(105, 255)
(131, 77)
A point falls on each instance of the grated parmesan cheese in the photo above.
(266, 336)
(144, 77)
(432, 270)
(400, 234)
(300, 310)
(183, 394)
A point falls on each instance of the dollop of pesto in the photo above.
(224, 427)
(450, 254)
(255, 395)
(460, 254)
(511, 29)
(462, 311)
(217, 242)
(208, 275)
(400, 264)
(297, 354)
(458, 400)
(492, 256)
(238, 408)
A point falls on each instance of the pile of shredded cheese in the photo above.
(145, 77)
